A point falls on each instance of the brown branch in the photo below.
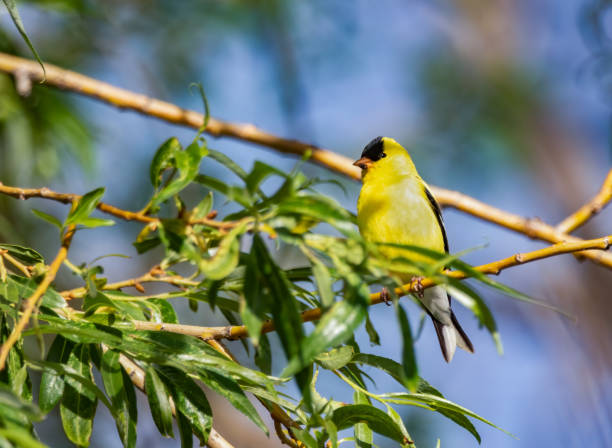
(32, 301)
(67, 198)
(493, 268)
(137, 375)
(533, 228)
(594, 206)
(125, 99)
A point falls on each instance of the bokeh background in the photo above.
(505, 100)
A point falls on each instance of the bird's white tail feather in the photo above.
(450, 340)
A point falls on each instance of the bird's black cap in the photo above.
(374, 150)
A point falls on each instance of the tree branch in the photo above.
(32, 301)
(84, 85)
(493, 268)
(67, 198)
(594, 206)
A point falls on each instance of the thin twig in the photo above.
(137, 375)
(20, 266)
(125, 99)
(594, 206)
(32, 301)
(149, 277)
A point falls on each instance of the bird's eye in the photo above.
(383, 155)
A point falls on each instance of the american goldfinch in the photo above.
(395, 206)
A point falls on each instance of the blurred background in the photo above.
(507, 101)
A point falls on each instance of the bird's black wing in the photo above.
(438, 212)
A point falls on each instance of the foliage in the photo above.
(234, 268)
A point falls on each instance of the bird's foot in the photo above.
(385, 296)
(417, 287)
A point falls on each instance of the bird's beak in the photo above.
(363, 163)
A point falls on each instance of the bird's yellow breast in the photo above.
(398, 211)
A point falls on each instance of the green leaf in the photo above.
(11, 6)
(78, 406)
(363, 434)
(320, 208)
(20, 437)
(263, 355)
(85, 207)
(335, 327)
(15, 411)
(50, 219)
(255, 305)
(185, 430)
(259, 173)
(390, 367)
(204, 207)
(304, 436)
(276, 288)
(226, 258)
(52, 384)
(14, 373)
(167, 313)
(337, 358)
(410, 373)
(96, 222)
(228, 388)
(232, 193)
(17, 288)
(372, 333)
(23, 254)
(117, 384)
(228, 163)
(205, 101)
(189, 400)
(435, 403)
(188, 164)
(347, 416)
(324, 282)
(159, 402)
(470, 299)
(162, 159)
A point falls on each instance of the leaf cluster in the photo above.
(235, 268)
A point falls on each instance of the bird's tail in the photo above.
(450, 336)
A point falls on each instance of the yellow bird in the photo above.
(395, 206)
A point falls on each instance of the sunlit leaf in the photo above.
(162, 159)
(336, 358)
(85, 207)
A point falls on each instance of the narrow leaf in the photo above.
(159, 402)
(11, 6)
(410, 374)
(85, 207)
(52, 384)
(78, 406)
